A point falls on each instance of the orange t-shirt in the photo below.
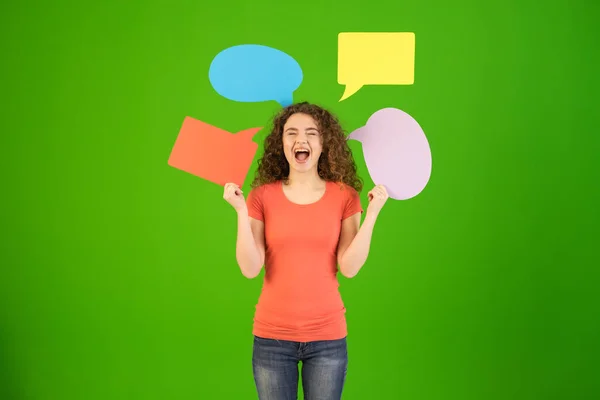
(300, 300)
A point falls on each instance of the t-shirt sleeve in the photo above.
(352, 202)
(254, 202)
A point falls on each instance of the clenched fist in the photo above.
(377, 198)
(234, 196)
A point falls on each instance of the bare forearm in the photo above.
(357, 252)
(247, 254)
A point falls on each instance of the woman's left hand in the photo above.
(377, 198)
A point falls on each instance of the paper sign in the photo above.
(212, 153)
(255, 73)
(396, 152)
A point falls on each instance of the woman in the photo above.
(302, 220)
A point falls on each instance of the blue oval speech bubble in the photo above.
(255, 73)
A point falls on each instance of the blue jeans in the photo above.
(275, 367)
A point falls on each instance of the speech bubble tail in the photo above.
(349, 91)
(286, 101)
(248, 133)
(358, 134)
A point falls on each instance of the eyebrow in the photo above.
(307, 129)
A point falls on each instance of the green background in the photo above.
(119, 279)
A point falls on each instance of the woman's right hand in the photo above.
(234, 196)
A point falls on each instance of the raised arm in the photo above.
(250, 242)
(355, 240)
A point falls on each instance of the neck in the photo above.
(309, 178)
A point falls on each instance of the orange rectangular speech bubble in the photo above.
(212, 153)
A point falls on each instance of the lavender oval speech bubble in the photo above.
(396, 152)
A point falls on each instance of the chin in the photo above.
(303, 167)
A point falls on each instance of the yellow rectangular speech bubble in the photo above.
(375, 58)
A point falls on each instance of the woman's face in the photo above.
(302, 142)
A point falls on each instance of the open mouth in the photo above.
(301, 155)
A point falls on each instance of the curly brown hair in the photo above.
(336, 163)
